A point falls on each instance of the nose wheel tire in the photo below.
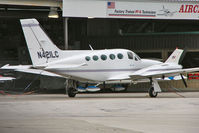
(72, 92)
(152, 92)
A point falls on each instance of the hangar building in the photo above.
(151, 28)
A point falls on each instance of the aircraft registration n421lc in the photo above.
(110, 66)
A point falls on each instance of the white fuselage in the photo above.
(99, 65)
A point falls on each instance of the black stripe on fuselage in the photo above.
(112, 70)
(100, 70)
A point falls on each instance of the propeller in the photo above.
(185, 84)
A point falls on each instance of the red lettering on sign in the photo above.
(195, 9)
(190, 8)
(181, 9)
(186, 8)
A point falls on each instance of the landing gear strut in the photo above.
(71, 86)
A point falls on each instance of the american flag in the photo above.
(111, 5)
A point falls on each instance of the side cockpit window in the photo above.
(137, 58)
(130, 55)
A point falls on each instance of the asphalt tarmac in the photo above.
(100, 113)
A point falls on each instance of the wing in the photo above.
(124, 76)
(160, 73)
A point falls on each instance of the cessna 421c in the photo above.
(116, 66)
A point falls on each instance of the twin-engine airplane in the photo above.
(110, 66)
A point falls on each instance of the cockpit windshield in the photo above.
(130, 55)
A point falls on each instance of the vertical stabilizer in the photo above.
(175, 56)
(42, 50)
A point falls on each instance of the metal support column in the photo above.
(66, 32)
(164, 55)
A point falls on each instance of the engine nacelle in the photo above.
(88, 89)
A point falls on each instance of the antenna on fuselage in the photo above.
(91, 47)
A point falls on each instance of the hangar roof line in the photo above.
(48, 3)
(58, 3)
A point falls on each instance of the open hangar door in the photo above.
(152, 32)
(13, 49)
(13, 45)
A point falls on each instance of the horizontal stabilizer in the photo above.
(6, 78)
(15, 67)
(28, 69)
(39, 72)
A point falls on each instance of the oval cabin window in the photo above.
(95, 58)
(119, 56)
(112, 56)
(103, 57)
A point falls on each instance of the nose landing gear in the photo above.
(152, 92)
(155, 88)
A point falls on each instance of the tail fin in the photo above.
(42, 50)
(175, 56)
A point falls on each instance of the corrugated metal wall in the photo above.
(143, 42)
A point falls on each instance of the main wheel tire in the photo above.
(71, 92)
(152, 93)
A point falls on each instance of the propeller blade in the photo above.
(185, 84)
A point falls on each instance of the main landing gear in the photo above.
(71, 86)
